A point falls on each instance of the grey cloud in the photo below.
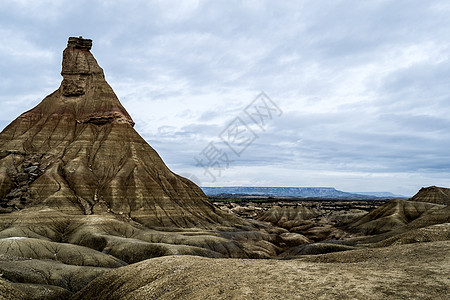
(420, 80)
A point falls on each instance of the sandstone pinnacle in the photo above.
(77, 151)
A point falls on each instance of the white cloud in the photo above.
(17, 46)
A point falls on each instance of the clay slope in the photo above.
(7, 291)
(127, 241)
(49, 253)
(399, 214)
(433, 194)
(400, 272)
(77, 152)
(433, 233)
(314, 223)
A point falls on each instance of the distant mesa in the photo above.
(381, 194)
(295, 192)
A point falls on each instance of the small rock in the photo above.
(31, 169)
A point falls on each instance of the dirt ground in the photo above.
(414, 271)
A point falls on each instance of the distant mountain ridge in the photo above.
(310, 192)
(381, 194)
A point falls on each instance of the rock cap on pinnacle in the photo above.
(79, 43)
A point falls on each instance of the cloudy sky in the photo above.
(357, 92)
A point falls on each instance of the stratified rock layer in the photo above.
(400, 214)
(77, 152)
(433, 194)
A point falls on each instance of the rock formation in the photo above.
(433, 194)
(77, 152)
(87, 207)
(81, 192)
(397, 213)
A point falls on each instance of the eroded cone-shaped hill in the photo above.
(433, 194)
(400, 214)
(77, 152)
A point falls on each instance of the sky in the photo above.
(346, 94)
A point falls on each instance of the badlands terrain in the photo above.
(88, 210)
